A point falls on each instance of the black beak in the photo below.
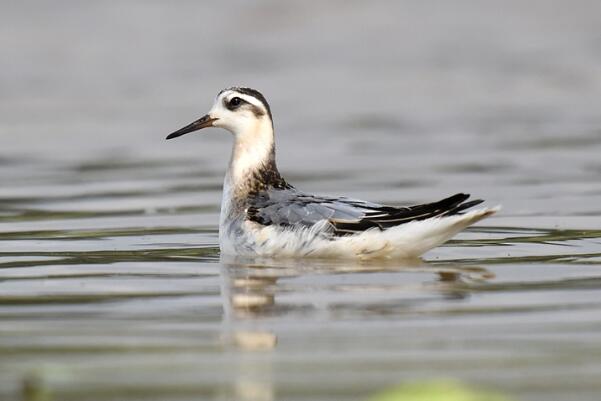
(203, 122)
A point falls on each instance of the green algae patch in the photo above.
(437, 391)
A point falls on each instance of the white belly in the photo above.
(406, 241)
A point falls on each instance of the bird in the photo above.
(265, 216)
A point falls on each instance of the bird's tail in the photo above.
(419, 237)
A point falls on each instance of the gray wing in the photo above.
(289, 207)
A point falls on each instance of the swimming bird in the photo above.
(263, 215)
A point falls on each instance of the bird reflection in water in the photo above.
(251, 287)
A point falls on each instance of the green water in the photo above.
(108, 302)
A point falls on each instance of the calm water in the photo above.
(111, 282)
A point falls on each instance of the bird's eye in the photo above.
(235, 101)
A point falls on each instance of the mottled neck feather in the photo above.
(267, 176)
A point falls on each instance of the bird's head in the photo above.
(241, 111)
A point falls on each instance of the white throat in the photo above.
(253, 148)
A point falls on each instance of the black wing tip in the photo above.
(457, 197)
(458, 202)
(463, 206)
(449, 206)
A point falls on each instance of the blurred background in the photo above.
(111, 284)
(418, 79)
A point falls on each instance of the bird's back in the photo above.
(287, 222)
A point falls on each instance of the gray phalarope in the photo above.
(263, 215)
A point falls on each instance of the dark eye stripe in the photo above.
(253, 93)
(234, 103)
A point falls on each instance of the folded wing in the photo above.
(290, 207)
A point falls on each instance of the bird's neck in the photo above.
(252, 166)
